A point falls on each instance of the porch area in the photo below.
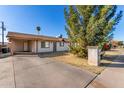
(19, 46)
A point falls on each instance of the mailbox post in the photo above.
(93, 55)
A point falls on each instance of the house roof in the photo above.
(17, 35)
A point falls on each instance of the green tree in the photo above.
(90, 26)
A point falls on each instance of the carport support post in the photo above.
(93, 55)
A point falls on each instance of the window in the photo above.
(61, 43)
(42, 44)
(45, 44)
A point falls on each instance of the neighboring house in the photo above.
(115, 43)
(20, 42)
(5, 45)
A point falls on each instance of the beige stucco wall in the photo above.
(16, 45)
(62, 48)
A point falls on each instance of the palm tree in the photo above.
(38, 29)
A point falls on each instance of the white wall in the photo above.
(62, 48)
(50, 49)
(93, 55)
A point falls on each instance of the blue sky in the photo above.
(51, 19)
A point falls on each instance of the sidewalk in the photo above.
(112, 76)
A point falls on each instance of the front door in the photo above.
(25, 46)
(54, 46)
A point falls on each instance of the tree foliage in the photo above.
(38, 29)
(120, 43)
(90, 26)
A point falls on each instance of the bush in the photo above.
(106, 47)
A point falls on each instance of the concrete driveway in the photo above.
(31, 71)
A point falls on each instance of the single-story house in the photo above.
(114, 43)
(21, 42)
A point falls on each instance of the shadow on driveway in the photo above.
(117, 61)
(52, 54)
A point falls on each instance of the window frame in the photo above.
(61, 44)
(48, 44)
(45, 44)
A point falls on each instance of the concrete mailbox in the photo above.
(93, 55)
